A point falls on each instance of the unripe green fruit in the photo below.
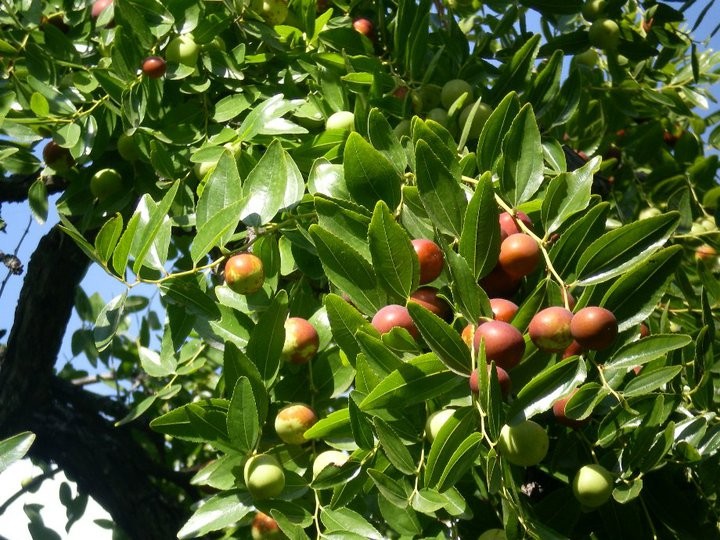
(183, 50)
(438, 115)
(452, 90)
(647, 213)
(605, 34)
(202, 168)
(106, 183)
(293, 421)
(481, 116)
(593, 485)
(127, 148)
(587, 58)
(329, 457)
(523, 444)
(274, 11)
(341, 120)
(436, 421)
(264, 477)
(593, 9)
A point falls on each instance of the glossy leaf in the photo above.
(480, 237)
(369, 176)
(521, 174)
(567, 194)
(442, 339)
(243, 423)
(268, 337)
(498, 124)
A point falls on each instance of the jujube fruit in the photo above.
(436, 421)
(562, 418)
(574, 349)
(604, 34)
(431, 259)
(519, 255)
(498, 283)
(549, 329)
(57, 157)
(154, 67)
(98, 7)
(105, 183)
(593, 485)
(427, 297)
(593, 9)
(392, 316)
(264, 527)
(503, 310)
(504, 343)
(183, 50)
(509, 226)
(341, 120)
(329, 457)
(301, 341)
(292, 421)
(594, 328)
(264, 477)
(364, 26)
(481, 116)
(525, 444)
(503, 380)
(274, 11)
(452, 90)
(244, 273)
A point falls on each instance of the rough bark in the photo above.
(16, 188)
(75, 428)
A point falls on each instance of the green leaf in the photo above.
(650, 380)
(236, 364)
(440, 191)
(345, 321)
(369, 176)
(573, 242)
(344, 521)
(266, 119)
(150, 238)
(548, 386)
(346, 220)
(335, 423)
(266, 341)
(327, 179)
(422, 378)
(157, 365)
(185, 291)
(218, 512)
(38, 200)
(480, 237)
(567, 194)
(583, 402)
(243, 422)
(216, 231)
(634, 296)
(222, 189)
(393, 255)
(493, 132)
(122, 250)
(521, 174)
(274, 184)
(460, 462)
(454, 431)
(397, 492)
(348, 270)
(108, 321)
(442, 338)
(360, 424)
(515, 73)
(14, 448)
(545, 86)
(616, 251)
(200, 421)
(471, 299)
(396, 452)
(646, 350)
(383, 138)
(108, 236)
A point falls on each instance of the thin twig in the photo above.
(17, 248)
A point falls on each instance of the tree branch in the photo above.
(16, 187)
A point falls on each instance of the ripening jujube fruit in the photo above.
(264, 527)
(503, 380)
(525, 444)
(503, 343)
(244, 273)
(392, 316)
(57, 157)
(509, 226)
(292, 421)
(264, 476)
(499, 284)
(364, 26)
(549, 329)
(593, 485)
(427, 297)
(301, 341)
(98, 7)
(431, 259)
(562, 418)
(503, 309)
(154, 67)
(519, 255)
(574, 349)
(594, 328)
